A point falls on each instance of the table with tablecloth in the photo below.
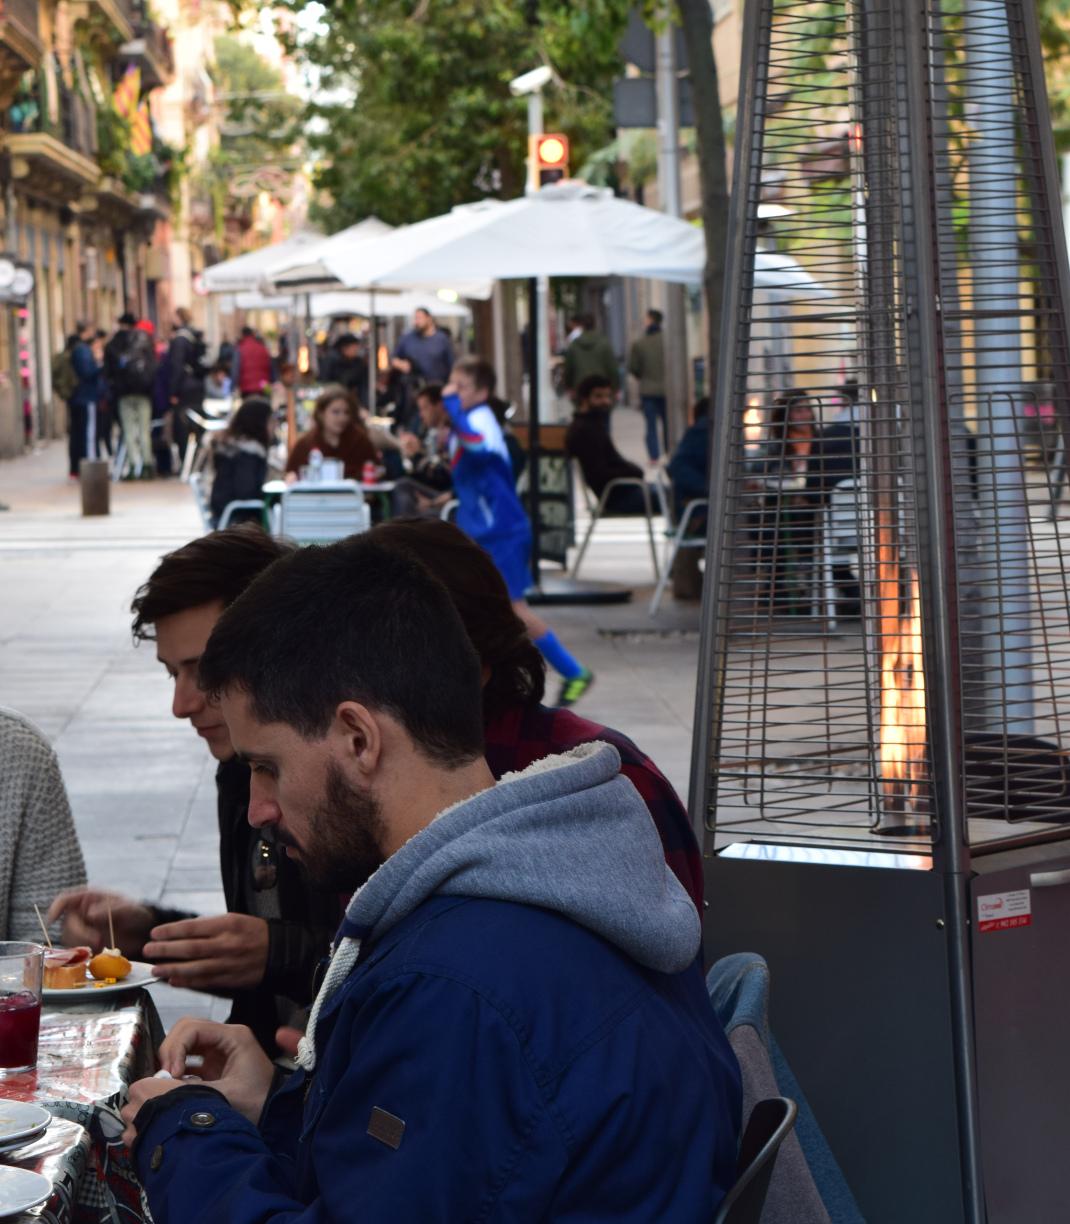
(89, 1053)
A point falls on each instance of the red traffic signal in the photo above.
(549, 152)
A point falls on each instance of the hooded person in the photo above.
(514, 1023)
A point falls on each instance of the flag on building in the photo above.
(141, 131)
(127, 92)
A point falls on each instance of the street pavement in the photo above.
(141, 783)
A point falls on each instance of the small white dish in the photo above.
(19, 1119)
(10, 1145)
(21, 1189)
(140, 975)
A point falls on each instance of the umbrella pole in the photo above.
(534, 381)
(373, 356)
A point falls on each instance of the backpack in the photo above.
(64, 379)
(137, 367)
(197, 362)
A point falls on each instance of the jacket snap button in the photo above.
(202, 1119)
(156, 1159)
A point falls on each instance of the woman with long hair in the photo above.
(337, 433)
(240, 460)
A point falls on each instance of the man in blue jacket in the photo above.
(513, 1025)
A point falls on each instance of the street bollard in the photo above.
(96, 487)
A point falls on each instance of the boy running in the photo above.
(490, 511)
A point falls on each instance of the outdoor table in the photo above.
(273, 490)
(89, 1053)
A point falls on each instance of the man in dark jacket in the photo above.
(514, 1024)
(589, 441)
(251, 371)
(263, 952)
(186, 362)
(346, 365)
(646, 364)
(590, 353)
(84, 442)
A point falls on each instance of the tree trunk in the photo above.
(697, 22)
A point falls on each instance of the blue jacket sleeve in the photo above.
(424, 1108)
(471, 440)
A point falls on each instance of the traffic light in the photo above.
(549, 152)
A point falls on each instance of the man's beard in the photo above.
(345, 834)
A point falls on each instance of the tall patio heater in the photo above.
(880, 771)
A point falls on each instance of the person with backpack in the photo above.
(130, 366)
(64, 379)
(187, 359)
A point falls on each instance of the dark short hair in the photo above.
(593, 382)
(655, 315)
(517, 670)
(215, 568)
(431, 391)
(353, 621)
(126, 319)
(701, 408)
(480, 371)
(247, 331)
(586, 321)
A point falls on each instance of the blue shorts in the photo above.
(512, 556)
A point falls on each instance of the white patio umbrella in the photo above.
(245, 272)
(564, 230)
(356, 302)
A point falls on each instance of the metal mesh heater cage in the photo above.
(887, 606)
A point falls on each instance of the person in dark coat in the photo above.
(263, 952)
(84, 402)
(589, 441)
(345, 366)
(240, 460)
(689, 466)
(187, 369)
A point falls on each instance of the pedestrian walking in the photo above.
(646, 364)
(424, 355)
(130, 368)
(187, 366)
(84, 440)
(590, 353)
(491, 513)
(251, 371)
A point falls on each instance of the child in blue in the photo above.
(490, 511)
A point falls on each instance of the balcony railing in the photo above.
(74, 121)
(22, 11)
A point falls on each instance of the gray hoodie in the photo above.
(569, 834)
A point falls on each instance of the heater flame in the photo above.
(902, 727)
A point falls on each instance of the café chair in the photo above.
(681, 536)
(768, 1126)
(323, 512)
(599, 510)
(805, 1184)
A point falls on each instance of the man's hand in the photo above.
(288, 1038)
(140, 1092)
(410, 444)
(232, 1062)
(222, 953)
(85, 920)
(399, 363)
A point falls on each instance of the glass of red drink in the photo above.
(21, 968)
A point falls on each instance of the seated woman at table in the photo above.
(518, 728)
(240, 460)
(39, 851)
(337, 433)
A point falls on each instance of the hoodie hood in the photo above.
(569, 834)
(587, 340)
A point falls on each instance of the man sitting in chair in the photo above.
(589, 441)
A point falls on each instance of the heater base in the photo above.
(860, 1003)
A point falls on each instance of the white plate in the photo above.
(20, 1189)
(9, 1145)
(140, 975)
(20, 1118)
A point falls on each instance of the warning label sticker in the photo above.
(1004, 911)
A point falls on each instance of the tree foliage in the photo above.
(260, 119)
(413, 112)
